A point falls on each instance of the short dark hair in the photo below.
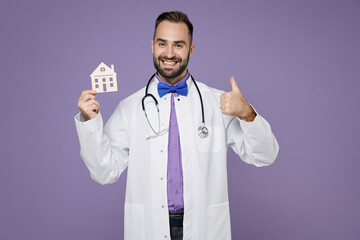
(175, 17)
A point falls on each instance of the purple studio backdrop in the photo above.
(297, 62)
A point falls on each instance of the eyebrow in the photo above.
(177, 42)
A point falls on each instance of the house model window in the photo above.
(103, 79)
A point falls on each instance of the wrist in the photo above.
(248, 115)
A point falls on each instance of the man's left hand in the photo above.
(234, 104)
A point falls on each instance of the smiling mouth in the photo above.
(168, 63)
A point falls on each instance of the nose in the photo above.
(170, 52)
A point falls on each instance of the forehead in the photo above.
(172, 31)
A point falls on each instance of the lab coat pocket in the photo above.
(218, 222)
(212, 142)
(134, 222)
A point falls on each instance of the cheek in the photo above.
(159, 53)
(156, 55)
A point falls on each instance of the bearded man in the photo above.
(175, 153)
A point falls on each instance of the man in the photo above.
(176, 180)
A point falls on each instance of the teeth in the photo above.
(169, 63)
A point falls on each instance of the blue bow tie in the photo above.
(164, 89)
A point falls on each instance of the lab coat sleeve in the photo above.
(253, 141)
(104, 150)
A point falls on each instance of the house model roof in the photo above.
(103, 70)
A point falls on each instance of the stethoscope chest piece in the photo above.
(203, 131)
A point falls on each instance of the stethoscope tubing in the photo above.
(202, 130)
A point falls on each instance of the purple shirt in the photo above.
(174, 168)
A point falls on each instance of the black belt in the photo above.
(176, 219)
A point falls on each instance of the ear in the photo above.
(152, 45)
(192, 47)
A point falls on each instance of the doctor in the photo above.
(176, 180)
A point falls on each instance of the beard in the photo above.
(171, 73)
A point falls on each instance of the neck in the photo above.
(173, 81)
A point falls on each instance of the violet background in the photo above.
(297, 62)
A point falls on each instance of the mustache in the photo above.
(170, 59)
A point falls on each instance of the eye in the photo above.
(178, 46)
(161, 44)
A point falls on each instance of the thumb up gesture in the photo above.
(234, 104)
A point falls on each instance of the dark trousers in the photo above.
(176, 225)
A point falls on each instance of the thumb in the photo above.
(234, 86)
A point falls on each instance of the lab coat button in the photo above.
(161, 178)
(162, 206)
(179, 99)
(161, 151)
(165, 236)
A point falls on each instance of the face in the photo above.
(171, 49)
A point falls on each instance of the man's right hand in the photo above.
(88, 105)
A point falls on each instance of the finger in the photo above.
(90, 91)
(91, 101)
(87, 97)
(90, 109)
(91, 104)
(222, 96)
(87, 107)
(91, 115)
(87, 92)
(234, 86)
(225, 96)
(224, 110)
(84, 99)
(94, 108)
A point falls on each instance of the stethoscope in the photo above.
(202, 130)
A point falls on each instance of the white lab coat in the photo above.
(122, 143)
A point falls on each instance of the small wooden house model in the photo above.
(103, 79)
